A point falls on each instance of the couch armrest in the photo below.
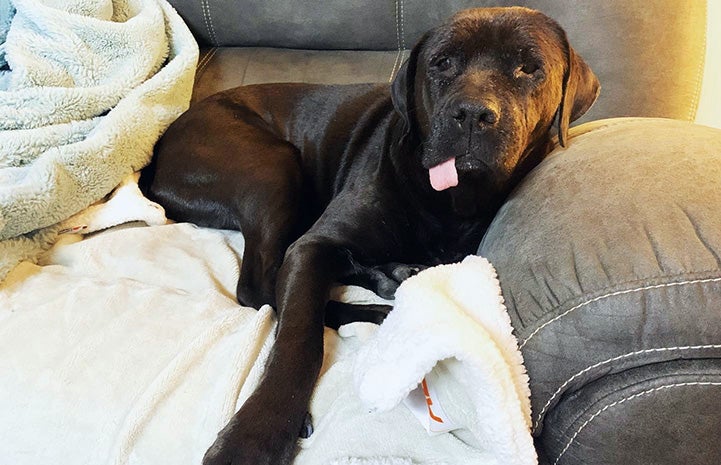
(609, 256)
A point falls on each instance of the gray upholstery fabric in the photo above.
(662, 414)
(648, 55)
(609, 255)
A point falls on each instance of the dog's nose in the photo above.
(475, 113)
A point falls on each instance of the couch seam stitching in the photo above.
(613, 294)
(208, 18)
(207, 58)
(614, 359)
(400, 40)
(695, 100)
(247, 65)
(618, 402)
(203, 58)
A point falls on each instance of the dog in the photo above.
(364, 183)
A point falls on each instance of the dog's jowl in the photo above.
(328, 183)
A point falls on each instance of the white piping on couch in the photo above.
(562, 388)
(633, 397)
(208, 18)
(614, 294)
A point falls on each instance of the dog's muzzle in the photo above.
(463, 121)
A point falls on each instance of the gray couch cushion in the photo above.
(609, 254)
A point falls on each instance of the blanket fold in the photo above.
(450, 321)
(86, 90)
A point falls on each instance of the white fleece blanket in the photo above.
(86, 88)
(449, 326)
(128, 347)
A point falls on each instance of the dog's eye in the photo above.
(442, 64)
(526, 70)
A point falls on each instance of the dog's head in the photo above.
(481, 89)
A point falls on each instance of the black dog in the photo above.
(330, 182)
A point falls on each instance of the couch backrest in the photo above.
(648, 54)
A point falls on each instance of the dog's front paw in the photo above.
(243, 444)
(400, 272)
(222, 453)
(240, 450)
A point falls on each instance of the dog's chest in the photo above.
(449, 240)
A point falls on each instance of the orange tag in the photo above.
(425, 404)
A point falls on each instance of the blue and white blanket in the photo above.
(86, 89)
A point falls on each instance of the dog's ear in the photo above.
(580, 91)
(403, 86)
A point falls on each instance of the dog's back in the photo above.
(328, 127)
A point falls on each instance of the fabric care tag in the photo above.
(425, 404)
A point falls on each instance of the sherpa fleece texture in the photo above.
(88, 88)
(452, 318)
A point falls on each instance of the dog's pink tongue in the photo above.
(444, 175)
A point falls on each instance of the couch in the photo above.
(609, 252)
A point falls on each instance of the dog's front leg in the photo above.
(266, 428)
